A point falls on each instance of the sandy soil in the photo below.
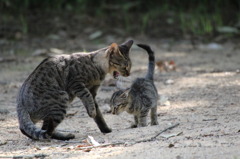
(202, 95)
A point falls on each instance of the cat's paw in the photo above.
(106, 130)
(133, 126)
(155, 123)
(45, 136)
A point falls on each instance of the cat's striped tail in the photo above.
(28, 128)
(151, 63)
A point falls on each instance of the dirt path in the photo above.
(203, 95)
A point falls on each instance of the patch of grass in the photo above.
(199, 24)
(24, 24)
(195, 17)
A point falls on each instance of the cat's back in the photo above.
(47, 75)
(143, 88)
(47, 69)
(143, 84)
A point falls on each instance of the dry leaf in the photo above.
(87, 150)
(93, 141)
(169, 82)
(166, 65)
(171, 145)
(71, 114)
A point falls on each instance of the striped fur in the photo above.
(57, 80)
(140, 98)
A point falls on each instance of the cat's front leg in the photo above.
(87, 99)
(102, 125)
(89, 103)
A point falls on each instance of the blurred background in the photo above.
(27, 25)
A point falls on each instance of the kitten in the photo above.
(140, 97)
(57, 80)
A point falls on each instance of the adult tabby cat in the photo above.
(57, 80)
(140, 97)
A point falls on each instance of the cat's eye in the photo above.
(126, 64)
(115, 64)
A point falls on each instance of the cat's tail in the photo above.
(151, 63)
(28, 128)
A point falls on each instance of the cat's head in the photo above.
(119, 61)
(119, 101)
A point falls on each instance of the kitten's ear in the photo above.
(125, 93)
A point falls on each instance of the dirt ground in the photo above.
(202, 95)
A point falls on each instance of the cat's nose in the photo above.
(113, 112)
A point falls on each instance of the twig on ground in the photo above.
(69, 131)
(126, 143)
(210, 119)
(26, 156)
(154, 137)
(102, 145)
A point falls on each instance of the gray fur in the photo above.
(140, 98)
(57, 80)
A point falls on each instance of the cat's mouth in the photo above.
(114, 111)
(116, 74)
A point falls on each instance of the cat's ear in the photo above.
(128, 44)
(113, 47)
(125, 47)
(125, 93)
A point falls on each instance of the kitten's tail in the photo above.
(27, 127)
(151, 63)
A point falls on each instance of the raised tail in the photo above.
(151, 63)
(27, 127)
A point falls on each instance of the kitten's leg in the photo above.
(136, 122)
(99, 118)
(142, 119)
(154, 120)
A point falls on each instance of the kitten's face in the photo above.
(119, 61)
(118, 102)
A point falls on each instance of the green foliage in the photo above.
(24, 24)
(199, 24)
(199, 17)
